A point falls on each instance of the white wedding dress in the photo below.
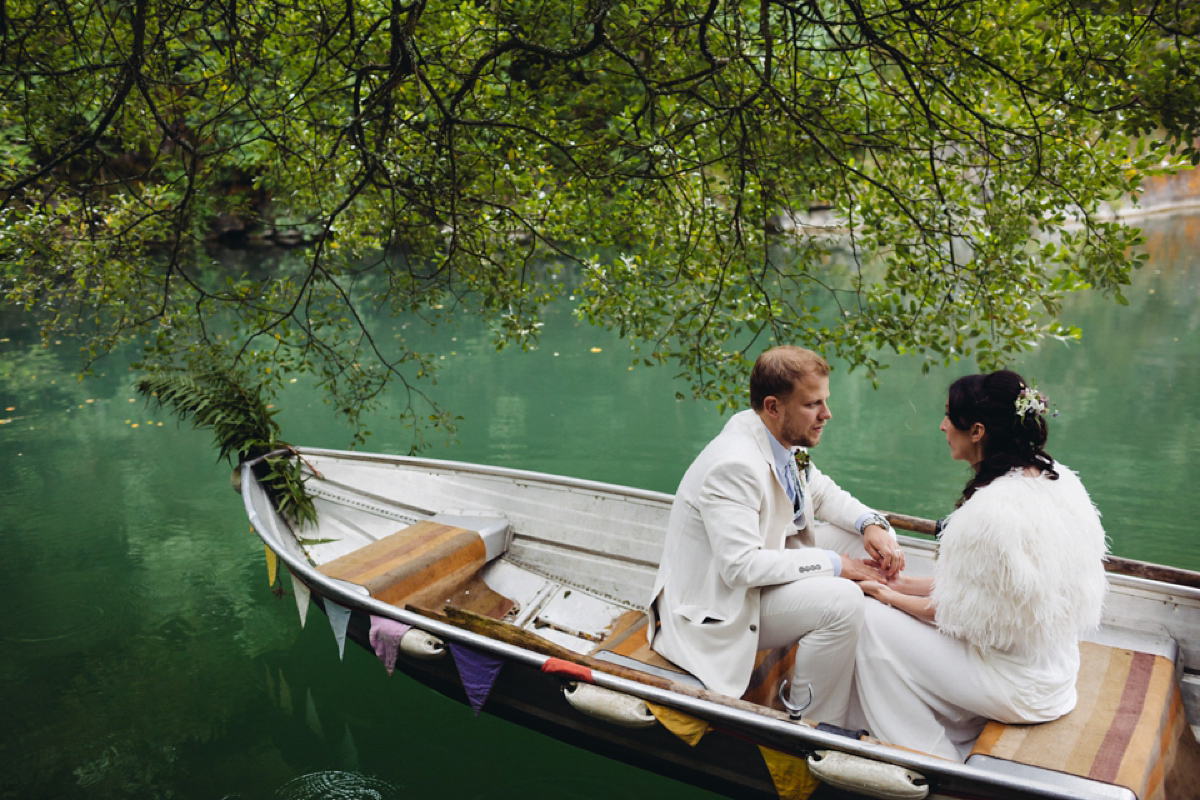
(1018, 580)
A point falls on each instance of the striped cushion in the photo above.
(1127, 728)
(428, 564)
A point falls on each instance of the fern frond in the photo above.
(240, 420)
(243, 426)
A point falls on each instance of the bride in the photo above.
(1019, 578)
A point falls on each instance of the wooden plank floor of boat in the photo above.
(627, 638)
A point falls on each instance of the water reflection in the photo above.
(143, 655)
(336, 785)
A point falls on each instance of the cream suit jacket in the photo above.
(731, 532)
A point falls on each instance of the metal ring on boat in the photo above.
(871, 778)
(416, 643)
(605, 704)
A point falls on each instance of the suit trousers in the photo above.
(824, 615)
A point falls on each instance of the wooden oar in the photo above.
(1121, 566)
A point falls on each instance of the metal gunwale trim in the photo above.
(544, 478)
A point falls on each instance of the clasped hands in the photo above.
(884, 561)
(880, 576)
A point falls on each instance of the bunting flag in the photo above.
(285, 694)
(793, 780)
(270, 683)
(272, 565)
(385, 638)
(348, 754)
(310, 715)
(302, 592)
(477, 671)
(688, 728)
(339, 620)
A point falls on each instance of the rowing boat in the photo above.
(523, 594)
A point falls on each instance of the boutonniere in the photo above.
(803, 459)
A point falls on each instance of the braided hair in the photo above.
(1014, 437)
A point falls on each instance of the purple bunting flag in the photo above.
(477, 671)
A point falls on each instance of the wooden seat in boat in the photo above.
(427, 565)
(627, 642)
(1128, 728)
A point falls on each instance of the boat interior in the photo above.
(1128, 729)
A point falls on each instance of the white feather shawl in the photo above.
(1019, 564)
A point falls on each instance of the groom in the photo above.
(746, 566)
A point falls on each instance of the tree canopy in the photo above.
(705, 177)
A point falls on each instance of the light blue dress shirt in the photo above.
(785, 469)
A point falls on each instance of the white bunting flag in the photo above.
(339, 620)
(302, 596)
(310, 715)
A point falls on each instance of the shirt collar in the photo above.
(781, 455)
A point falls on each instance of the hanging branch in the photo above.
(243, 426)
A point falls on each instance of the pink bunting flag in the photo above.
(477, 671)
(385, 639)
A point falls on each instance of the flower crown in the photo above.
(1030, 399)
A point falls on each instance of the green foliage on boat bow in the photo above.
(244, 429)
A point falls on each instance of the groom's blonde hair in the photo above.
(777, 371)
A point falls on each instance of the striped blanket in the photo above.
(1128, 728)
(427, 564)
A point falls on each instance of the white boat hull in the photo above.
(575, 556)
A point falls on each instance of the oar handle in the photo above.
(1121, 566)
(914, 524)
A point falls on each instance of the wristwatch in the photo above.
(874, 519)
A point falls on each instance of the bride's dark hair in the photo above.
(1011, 440)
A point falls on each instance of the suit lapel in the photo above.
(779, 506)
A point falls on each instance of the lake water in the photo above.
(142, 654)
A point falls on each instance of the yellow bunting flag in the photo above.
(272, 565)
(793, 780)
(689, 729)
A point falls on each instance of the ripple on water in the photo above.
(336, 785)
(44, 620)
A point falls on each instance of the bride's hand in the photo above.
(901, 583)
(873, 588)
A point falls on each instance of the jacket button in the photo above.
(753, 628)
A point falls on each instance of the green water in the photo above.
(142, 654)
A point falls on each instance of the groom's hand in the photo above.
(884, 549)
(856, 570)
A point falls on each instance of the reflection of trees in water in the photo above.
(1172, 241)
(1128, 396)
(184, 665)
(143, 708)
(34, 377)
(42, 380)
(132, 616)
